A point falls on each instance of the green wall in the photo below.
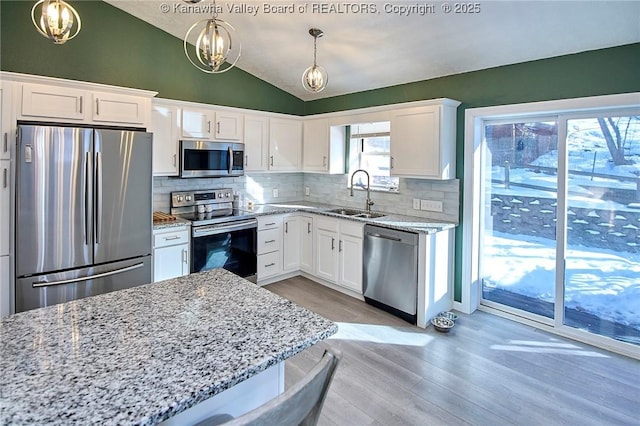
(116, 48)
(598, 72)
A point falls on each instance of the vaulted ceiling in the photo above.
(368, 45)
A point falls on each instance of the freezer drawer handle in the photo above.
(386, 237)
(90, 277)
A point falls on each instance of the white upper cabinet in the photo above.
(423, 141)
(117, 108)
(198, 123)
(285, 144)
(229, 125)
(45, 101)
(315, 145)
(45, 98)
(210, 124)
(256, 143)
(165, 124)
(323, 147)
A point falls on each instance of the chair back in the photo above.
(299, 405)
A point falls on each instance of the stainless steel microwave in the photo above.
(211, 159)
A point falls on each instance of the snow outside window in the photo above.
(369, 149)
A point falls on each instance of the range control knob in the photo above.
(228, 195)
(220, 195)
(188, 198)
(179, 198)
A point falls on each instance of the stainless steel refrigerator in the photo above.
(83, 213)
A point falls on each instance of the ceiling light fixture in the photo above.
(214, 44)
(315, 78)
(57, 19)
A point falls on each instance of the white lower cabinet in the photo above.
(5, 301)
(170, 252)
(269, 247)
(339, 252)
(350, 262)
(327, 249)
(291, 243)
(307, 261)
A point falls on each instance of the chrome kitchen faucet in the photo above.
(369, 203)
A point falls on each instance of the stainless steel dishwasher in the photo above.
(390, 271)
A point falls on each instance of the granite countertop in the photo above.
(141, 355)
(393, 221)
(170, 224)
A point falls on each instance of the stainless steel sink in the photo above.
(356, 213)
(371, 215)
(346, 212)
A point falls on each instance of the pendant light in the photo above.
(315, 78)
(214, 44)
(56, 20)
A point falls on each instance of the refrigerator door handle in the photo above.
(37, 284)
(87, 179)
(98, 224)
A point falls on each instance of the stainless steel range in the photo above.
(221, 237)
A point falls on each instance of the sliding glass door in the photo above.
(518, 246)
(602, 256)
(560, 218)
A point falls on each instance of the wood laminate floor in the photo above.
(486, 371)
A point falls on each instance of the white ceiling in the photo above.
(363, 51)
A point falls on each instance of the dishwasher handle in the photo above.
(386, 237)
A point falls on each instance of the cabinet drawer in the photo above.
(170, 238)
(269, 240)
(269, 222)
(269, 264)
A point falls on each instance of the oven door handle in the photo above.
(203, 231)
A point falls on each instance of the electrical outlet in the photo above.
(275, 193)
(431, 205)
(307, 191)
(416, 203)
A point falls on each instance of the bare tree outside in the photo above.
(615, 131)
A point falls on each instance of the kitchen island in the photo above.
(143, 355)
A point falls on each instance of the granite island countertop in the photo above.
(141, 355)
(389, 220)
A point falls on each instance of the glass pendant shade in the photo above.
(56, 20)
(214, 46)
(315, 78)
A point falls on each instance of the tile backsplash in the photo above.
(328, 189)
